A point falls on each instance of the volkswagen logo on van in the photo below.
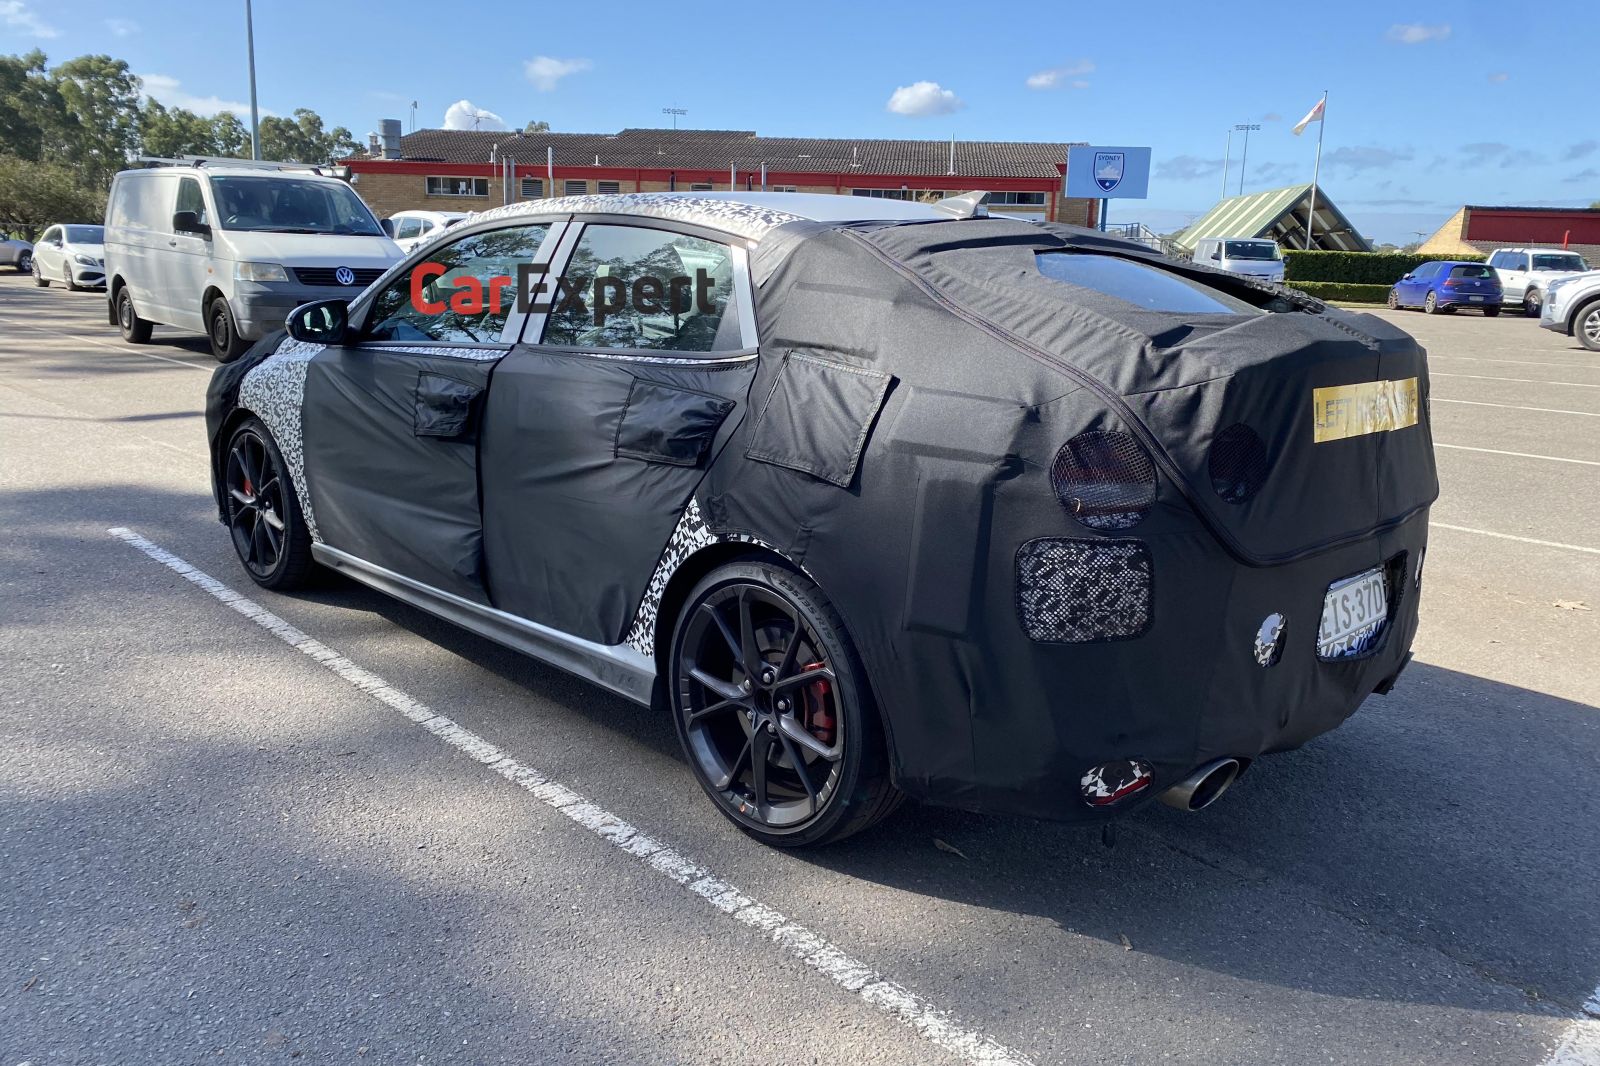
(344, 276)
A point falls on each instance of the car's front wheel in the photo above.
(264, 518)
(25, 263)
(223, 332)
(1532, 302)
(1586, 326)
(67, 279)
(773, 708)
(1394, 300)
(38, 276)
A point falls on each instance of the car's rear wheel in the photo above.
(38, 276)
(1491, 312)
(223, 332)
(773, 708)
(264, 519)
(1532, 302)
(1394, 300)
(25, 263)
(1431, 304)
(135, 330)
(1586, 326)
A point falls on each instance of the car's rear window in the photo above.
(1472, 271)
(1138, 284)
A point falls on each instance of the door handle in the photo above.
(172, 243)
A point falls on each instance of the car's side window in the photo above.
(50, 236)
(646, 289)
(1498, 259)
(1519, 261)
(191, 199)
(461, 293)
(408, 228)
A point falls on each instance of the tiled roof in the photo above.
(1269, 213)
(718, 149)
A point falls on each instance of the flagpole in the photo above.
(1316, 170)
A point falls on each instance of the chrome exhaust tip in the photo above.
(1203, 787)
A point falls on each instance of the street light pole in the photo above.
(255, 114)
(1244, 155)
(1227, 156)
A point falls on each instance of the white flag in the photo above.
(1314, 115)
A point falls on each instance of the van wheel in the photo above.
(135, 330)
(223, 331)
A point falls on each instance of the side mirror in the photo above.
(388, 228)
(322, 322)
(1408, 277)
(189, 222)
(1216, 255)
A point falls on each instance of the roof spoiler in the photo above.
(973, 204)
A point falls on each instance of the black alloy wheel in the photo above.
(773, 711)
(223, 332)
(135, 330)
(263, 514)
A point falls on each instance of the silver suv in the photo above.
(1572, 307)
(1526, 273)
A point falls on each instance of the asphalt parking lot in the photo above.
(215, 847)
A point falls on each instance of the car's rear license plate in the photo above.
(1353, 615)
(1478, 299)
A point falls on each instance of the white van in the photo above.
(229, 248)
(1256, 256)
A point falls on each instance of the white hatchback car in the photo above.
(72, 255)
(410, 228)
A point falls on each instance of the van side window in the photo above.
(190, 199)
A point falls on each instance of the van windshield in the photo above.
(287, 205)
(1250, 250)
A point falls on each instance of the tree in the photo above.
(536, 126)
(34, 195)
(302, 139)
(32, 113)
(176, 132)
(102, 101)
(1595, 206)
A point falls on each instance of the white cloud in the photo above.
(924, 98)
(546, 71)
(463, 115)
(1056, 77)
(167, 91)
(15, 14)
(122, 27)
(1499, 76)
(1417, 33)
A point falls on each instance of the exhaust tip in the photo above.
(1203, 787)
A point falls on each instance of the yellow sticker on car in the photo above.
(1341, 411)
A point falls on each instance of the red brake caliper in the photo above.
(819, 719)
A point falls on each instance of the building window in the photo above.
(574, 188)
(608, 188)
(701, 186)
(532, 188)
(1017, 199)
(458, 186)
(901, 194)
(783, 188)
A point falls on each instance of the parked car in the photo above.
(229, 249)
(1255, 256)
(1444, 285)
(1526, 273)
(411, 228)
(17, 254)
(873, 498)
(72, 255)
(1572, 307)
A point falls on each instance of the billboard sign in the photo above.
(1098, 172)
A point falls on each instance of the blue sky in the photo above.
(1430, 106)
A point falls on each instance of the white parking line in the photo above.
(1525, 381)
(1519, 455)
(1519, 362)
(1511, 536)
(842, 969)
(1581, 1044)
(1518, 407)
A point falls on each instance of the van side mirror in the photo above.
(189, 222)
(388, 228)
(322, 322)
(1216, 255)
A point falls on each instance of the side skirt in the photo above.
(616, 667)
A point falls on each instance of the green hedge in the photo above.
(1345, 291)
(1360, 268)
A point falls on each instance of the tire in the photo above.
(135, 330)
(1491, 312)
(823, 766)
(38, 276)
(25, 263)
(1586, 325)
(1532, 303)
(1431, 304)
(264, 522)
(1394, 300)
(67, 278)
(223, 332)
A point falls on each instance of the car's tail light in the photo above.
(1238, 463)
(1450, 283)
(1104, 479)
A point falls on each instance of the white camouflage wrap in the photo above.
(728, 216)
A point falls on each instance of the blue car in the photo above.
(1441, 287)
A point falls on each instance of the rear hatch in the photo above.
(1471, 280)
(1338, 401)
